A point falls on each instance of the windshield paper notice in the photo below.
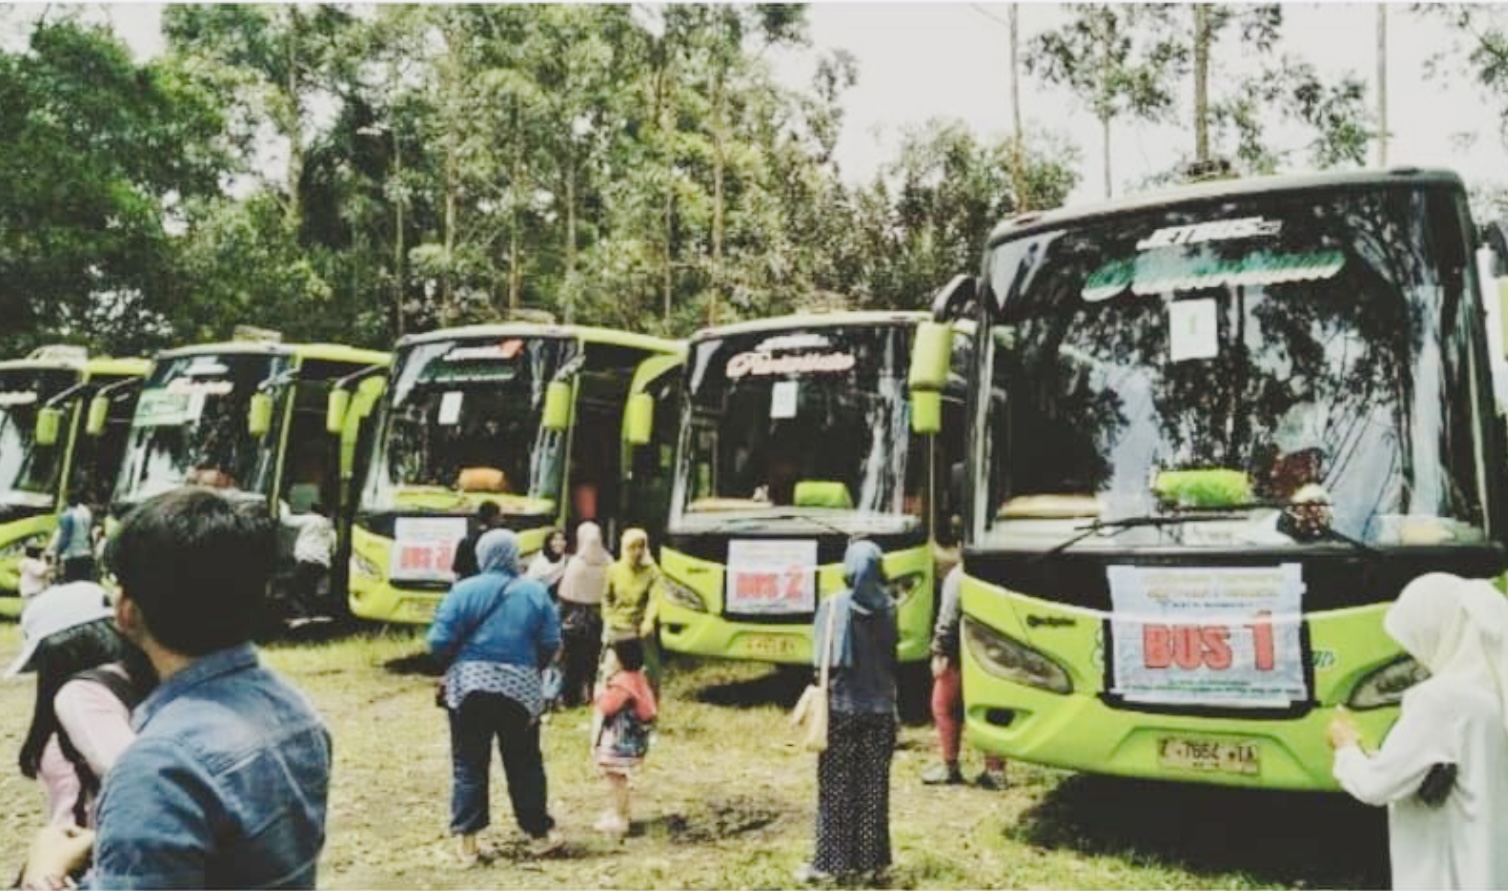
(1221, 636)
(772, 576)
(424, 548)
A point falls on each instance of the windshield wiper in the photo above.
(1194, 515)
(1116, 526)
(831, 527)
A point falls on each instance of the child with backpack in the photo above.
(623, 712)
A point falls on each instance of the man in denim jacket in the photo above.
(226, 783)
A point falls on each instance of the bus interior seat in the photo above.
(822, 493)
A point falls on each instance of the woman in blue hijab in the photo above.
(853, 774)
(494, 631)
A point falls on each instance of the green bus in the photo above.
(534, 417)
(51, 452)
(1214, 432)
(796, 435)
(248, 417)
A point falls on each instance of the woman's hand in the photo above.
(55, 852)
(939, 665)
(1342, 731)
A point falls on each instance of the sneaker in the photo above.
(809, 874)
(991, 780)
(548, 843)
(468, 852)
(942, 775)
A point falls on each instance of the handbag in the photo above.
(502, 595)
(811, 708)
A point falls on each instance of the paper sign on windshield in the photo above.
(1220, 636)
(424, 548)
(772, 576)
(783, 400)
(450, 408)
(1193, 330)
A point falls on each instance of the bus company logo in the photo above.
(1217, 230)
(10, 398)
(1322, 659)
(1035, 621)
(761, 364)
(187, 387)
(505, 351)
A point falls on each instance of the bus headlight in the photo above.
(903, 587)
(18, 547)
(1007, 658)
(365, 567)
(1385, 686)
(683, 596)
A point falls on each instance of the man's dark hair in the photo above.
(198, 567)
(488, 513)
(630, 653)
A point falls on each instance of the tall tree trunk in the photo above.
(295, 171)
(520, 189)
(570, 222)
(1382, 84)
(719, 162)
(1201, 82)
(1018, 147)
(399, 254)
(452, 188)
(1105, 128)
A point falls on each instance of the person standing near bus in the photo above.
(73, 544)
(464, 564)
(628, 604)
(947, 693)
(1442, 770)
(581, 588)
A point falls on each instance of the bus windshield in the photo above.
(29, 472)
(1319, 347)
(191, 427)
(466, 416)
(812, 421)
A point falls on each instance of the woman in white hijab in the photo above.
(1442, 771)
(581, 588)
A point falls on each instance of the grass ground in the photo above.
(726, 802)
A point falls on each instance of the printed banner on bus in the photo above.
(424, 548)
(772, 576)
(1216, 636)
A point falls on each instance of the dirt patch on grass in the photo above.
(725, 799)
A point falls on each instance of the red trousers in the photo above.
(947, 714)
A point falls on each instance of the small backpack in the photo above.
(630, 736)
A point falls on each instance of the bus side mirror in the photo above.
(931, 354)
(337, 404)
(49, 424)
(259, 415)
(557, 406)
(1503, 311)
(926, 412)
(641, 419)
(99, 414)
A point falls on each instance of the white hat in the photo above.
(57, 609)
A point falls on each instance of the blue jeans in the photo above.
(481, 717)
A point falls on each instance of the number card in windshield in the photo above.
(772, 576)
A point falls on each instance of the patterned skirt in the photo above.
(853, 794)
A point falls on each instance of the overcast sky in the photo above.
(921, 60)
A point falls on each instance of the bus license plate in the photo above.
(1219, 756)
(769, 646)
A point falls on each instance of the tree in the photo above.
(1115, 64)
(84, 253)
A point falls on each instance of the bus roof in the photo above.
(90, 366)
(333, 352)
(1028, 223)
(815, 320)
(588, 333)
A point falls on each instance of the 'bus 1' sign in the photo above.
(772, 576)
(1197, 635)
